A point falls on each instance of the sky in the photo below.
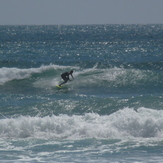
(70, 12)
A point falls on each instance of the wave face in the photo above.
(112, 110)
(89, 77)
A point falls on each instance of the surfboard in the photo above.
(58, 86)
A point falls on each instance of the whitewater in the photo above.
(112, 110)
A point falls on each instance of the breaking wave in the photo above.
(125, 123)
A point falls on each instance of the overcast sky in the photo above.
(39, 12)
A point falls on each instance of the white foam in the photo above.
(143, 123)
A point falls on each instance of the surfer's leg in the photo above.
(65, 81)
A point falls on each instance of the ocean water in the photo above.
(112, 112)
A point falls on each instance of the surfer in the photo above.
(65, 77)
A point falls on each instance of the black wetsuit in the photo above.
(65, 76)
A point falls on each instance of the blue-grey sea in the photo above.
(112, 112)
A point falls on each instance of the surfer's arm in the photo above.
(72, 77)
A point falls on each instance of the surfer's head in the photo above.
(71, 71)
